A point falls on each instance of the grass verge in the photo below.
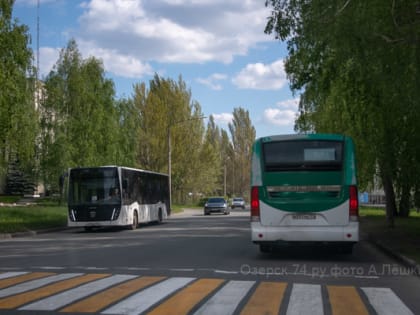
(34, 217)
(404, 238)
(45, 214)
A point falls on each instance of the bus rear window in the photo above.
(302, 155)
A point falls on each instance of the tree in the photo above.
(80, 119)
(243, 136)
(18, 116)
(168, 115)
(355, 62)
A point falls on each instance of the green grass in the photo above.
(26, 218)
(403, 238)
(9, 199)
(44, 214)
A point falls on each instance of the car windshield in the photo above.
(216, 200)
(237, 199)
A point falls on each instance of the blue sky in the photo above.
(217, 46)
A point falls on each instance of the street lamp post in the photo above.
(170, 154)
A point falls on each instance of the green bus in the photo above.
(304, 191)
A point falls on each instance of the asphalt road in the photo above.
(205, 264)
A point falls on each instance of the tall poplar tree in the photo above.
(243, 136)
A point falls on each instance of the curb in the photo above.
(30, 233)
(407, 262)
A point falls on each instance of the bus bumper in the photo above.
(324, 234)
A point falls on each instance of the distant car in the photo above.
(238, 202)
(216, 204)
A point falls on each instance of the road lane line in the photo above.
(385, 302)
(226, 299)
(62, 299)
(183, 301)
(44, 291)
(101, 300)
(266, 299)
(10, 274)
(305, 299)
(143, 300)
(26, 277)
(346, 300)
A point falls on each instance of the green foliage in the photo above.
(80, 121)
(243, 136)
(18, 116)
(357, 65)
(168, 115)
(26, 218)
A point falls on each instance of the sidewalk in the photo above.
(394, 242)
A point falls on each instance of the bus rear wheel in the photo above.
(160, 216)
(135, 223)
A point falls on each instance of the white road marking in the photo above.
(34, 284)
(12, 274)
(57, 301)
(305, 299)
(385, 302)
(141, 301)
(226, 271)
(226, 300)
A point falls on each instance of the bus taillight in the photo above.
(255, 205)
(354, 204)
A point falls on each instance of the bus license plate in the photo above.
(306, 216)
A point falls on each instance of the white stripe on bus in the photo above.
(225, 301)
(143, 300)
(57, 301)
(34, 284)
(305, 299)
(385, 302)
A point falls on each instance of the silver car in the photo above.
(216, 204)
(238, 202)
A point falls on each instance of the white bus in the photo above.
(116, 196)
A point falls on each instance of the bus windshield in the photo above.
(94, 186)
(303, 155)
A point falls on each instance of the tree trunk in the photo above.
(391, 206)
(404, 206)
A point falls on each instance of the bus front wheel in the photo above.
(135, 223)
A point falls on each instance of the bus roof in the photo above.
(312, 136)
(120, 167)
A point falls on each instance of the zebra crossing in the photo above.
(106, 293)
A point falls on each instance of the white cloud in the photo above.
(186, 31)
(261, 76)
(117, 63)
(48, 58)
(212, 81)
(283, 115)
(223, 118)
